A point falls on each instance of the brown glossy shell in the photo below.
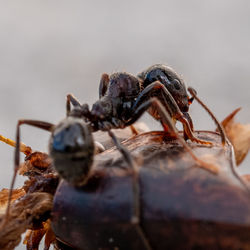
(180, 206)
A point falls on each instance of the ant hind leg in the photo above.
(187, 116)
(134, 130)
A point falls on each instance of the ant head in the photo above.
(71, 148)
(172, 81)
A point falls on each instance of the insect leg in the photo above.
(103, 85)
(187, 116)
(134, 130)
(71, 100)
(159, 90)
(167, 119)
(136, 189)
(39, 124)
(219, 126)
(123, 150)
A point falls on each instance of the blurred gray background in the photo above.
(51, 48)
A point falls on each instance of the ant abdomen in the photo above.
(71, 148)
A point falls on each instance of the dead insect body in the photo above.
(175, 205)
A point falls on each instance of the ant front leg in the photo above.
(168, 120)
(187, 116)
(39, 124)
(158, 89)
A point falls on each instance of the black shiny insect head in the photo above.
(71, 148)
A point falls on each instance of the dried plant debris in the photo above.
(32, 206)
(27, 212)
(17, 193)
(34, 237)
(238, 134)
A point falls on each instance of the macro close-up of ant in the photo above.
(121, 129)
(123, 98)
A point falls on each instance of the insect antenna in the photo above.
(220, 128)
(20, 147)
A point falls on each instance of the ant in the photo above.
(123, 98)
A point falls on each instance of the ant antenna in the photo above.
(20, 147)
(27, 151)
(220, 128)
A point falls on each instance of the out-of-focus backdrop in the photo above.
(51, 48)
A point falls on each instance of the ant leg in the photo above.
(123, 150)
(168, 120)
(186, 114)
(133, 130)
(103, 85)
(136, 188)
(106, 126)
(219, 126)
(39, 124)
(71, 100)
(158, 89)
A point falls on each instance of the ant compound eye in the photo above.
(71, 149)
(176, 84)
